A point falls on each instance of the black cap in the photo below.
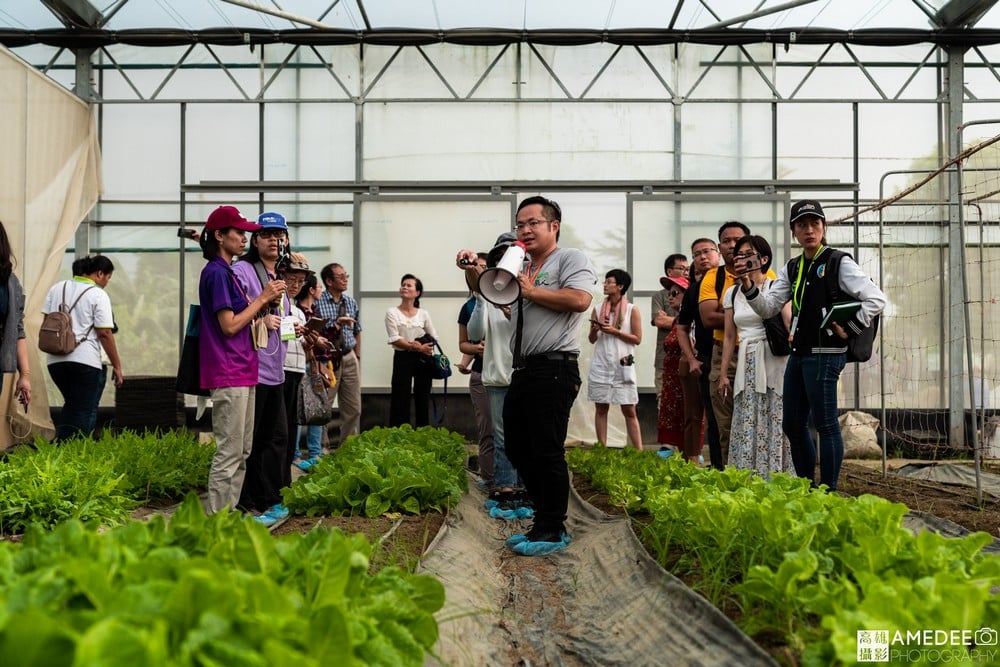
(806, 207)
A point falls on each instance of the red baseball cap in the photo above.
(229, 216)
(680, 282)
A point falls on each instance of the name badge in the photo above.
(287, 328)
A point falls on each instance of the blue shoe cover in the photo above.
(511, 515)
(665, 453)
(516, 538)
(490, 504)
(527, 548)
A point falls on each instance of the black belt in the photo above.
(549, 356)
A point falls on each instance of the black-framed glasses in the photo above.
(270, 233)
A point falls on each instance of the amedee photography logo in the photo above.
(929, 646)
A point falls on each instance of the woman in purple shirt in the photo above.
(229, 364)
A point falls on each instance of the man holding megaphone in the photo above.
(549, 290)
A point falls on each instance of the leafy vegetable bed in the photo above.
(98, 481)
(385, 469)
(200, 590)
(812, 568)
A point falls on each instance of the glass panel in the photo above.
(309, 142)
(500, 140)
(422, 237)
(726, 141)
(221, 142)
(806, 153)
(129, 138)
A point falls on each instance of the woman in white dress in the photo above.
(756, 441)
(615, 330)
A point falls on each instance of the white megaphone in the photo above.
(499, 284)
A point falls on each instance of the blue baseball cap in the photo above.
(272, 220)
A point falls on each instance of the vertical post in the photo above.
(84, 89)
(954, 88)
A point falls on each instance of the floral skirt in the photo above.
(756, 441)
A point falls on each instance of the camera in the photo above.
(185, 233)
(751, 263)
(627, 361)
(986, 637)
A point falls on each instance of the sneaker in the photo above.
(264, 519)
(277, 512)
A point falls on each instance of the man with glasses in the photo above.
(697, 358)
(343, 326)
(556, 291)
(674, 266)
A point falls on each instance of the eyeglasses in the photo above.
(673, 294)
(529, 223)
(270, 233)
(341, 276)
(681, 269)
(704, 251)
(295, 280)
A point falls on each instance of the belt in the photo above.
(549, 356)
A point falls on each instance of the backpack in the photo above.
(56, 333)
(859, 348)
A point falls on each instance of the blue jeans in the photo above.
(81, 386)
(314, 439)
(811, 388)
(504, 475)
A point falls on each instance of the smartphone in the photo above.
(317, 324)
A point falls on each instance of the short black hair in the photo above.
(621, 277)
(92, 264)
(760, 246)
(734, 223)
(669, 262)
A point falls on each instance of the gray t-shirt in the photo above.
(547, 330)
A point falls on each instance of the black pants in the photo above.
(410, 369)
(291, 393)
(263, 482)
(535, 418)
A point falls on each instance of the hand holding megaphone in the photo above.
(500, 284)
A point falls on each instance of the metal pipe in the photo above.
(288, 16)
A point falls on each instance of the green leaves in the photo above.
(383, 470)
(98, 481)
(200, 590)
(813, 567)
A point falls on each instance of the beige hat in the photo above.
(298, 262)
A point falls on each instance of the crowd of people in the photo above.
(272, 329)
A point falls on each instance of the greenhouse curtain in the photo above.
(50, 179)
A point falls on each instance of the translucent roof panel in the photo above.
(507, 14)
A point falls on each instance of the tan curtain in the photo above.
(50, 179)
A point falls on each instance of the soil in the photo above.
(946, 501)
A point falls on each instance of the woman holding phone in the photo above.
(756, 441)
(813, 282)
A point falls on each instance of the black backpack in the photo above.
(859, 348)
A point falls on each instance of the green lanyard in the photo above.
(799, 289)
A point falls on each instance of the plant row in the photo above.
(810, 567)
(385, 469)
(98, 481)
(200, 590)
